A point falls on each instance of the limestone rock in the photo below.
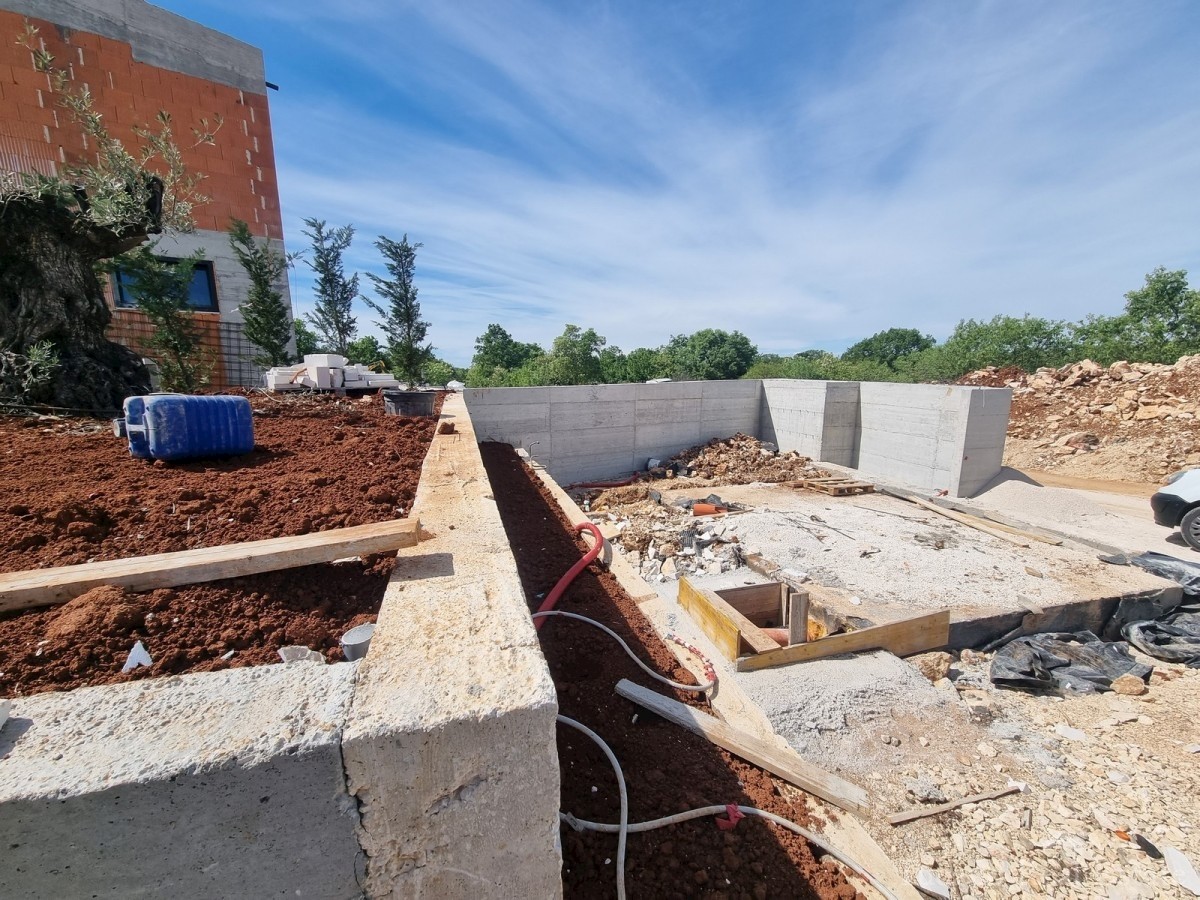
(1129, 685)
(930, 884)
(934, 666)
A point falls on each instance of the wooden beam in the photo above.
(43, 587)
(969, 521)
(786, 764)
(903, 638)
(901, 818)
(725, 625)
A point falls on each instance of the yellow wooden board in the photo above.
(721, 622)
(902, 638)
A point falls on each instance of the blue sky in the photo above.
(807, 173)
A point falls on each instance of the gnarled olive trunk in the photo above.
(49, 291)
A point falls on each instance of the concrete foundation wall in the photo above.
(215, 785)
(817, 418)
(930, 437)
(601, 431)
(429, 769)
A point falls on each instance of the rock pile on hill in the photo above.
(1145, 413)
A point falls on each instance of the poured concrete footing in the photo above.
(427, 770)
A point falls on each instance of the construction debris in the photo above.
(740, 459)
(327, 372)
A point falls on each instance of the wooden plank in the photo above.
(786, 764)
(901, 818)
(42, 587)
(903, 638)
(797, 617)
(969, 521)
(711, 612)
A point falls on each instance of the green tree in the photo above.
(711, 354)
(332, 314)
(438, 371)
(306, 341)
(1027, 342)
(161, 292)
(575, 357)
(400, 318)
(644, 364)
(268, 319)
(612, 366)
(496, 349)
(888, 346)
(1163, 317)
(366, 351)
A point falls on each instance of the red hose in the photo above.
(553, 597)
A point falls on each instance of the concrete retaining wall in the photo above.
(427, 770)
(931, 437)
(600, 431)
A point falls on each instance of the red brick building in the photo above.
(137, 60)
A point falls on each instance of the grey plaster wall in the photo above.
(599, 431)
(157, 37)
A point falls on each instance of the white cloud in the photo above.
(959, 160)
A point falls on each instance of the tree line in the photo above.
(1160, 323)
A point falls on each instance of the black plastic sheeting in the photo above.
(1175, 638)
(1060, 662)
(1084, 663)
(1185, 574)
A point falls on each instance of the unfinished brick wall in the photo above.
(36, 134)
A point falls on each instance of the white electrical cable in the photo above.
(645, 668)
(622, 827)
(630, 827)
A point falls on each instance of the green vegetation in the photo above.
(161, 290)
(1160, 323)
(267, 318)
(401, 318)
(331, 315)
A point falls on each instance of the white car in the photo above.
(1178, 505)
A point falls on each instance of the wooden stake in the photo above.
(901, 818)
(786, 764)
(43, 587)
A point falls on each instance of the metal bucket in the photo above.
(408, 403)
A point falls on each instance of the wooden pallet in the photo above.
(834, 485)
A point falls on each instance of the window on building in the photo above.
(202, 293)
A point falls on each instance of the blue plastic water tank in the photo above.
(182, 426)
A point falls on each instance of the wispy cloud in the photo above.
(806, 176)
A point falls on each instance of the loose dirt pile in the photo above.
(667, 769)
(70, 493)
(1128, 422)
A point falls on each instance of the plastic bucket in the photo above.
(357, 641)
(408, 403)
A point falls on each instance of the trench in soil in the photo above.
(70, 493)
(667, 770)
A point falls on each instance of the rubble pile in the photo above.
(1146, 413)
(740, 459)
(663, 541)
